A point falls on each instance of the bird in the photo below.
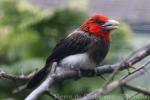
(84, 48)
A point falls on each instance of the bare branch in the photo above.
(63, 74)
(52, 95)
(42, 88)
(137, 89)
(14, 77)
(112, 76)
(114, 85)
(130, 98)
(19, 89)
(123, 93)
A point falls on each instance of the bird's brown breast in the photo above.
(99, 49)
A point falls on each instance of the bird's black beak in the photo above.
(110, 25)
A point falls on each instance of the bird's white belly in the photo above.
(77, 61)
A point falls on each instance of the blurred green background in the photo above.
(28, 33)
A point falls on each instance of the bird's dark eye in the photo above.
(99, 22)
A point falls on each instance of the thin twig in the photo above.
(142, 67)
(12, 77)
(55, 97)
(123, 93)
(133, 96)
(112, 76)
(137, 89)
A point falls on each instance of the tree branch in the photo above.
(116, 84)
(137, 89)
(62, 74)
(14, 77)
(52, 95)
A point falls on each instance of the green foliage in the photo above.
(28, 35)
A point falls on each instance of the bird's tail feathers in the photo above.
(37, 78)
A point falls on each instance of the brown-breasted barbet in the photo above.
(85, 47)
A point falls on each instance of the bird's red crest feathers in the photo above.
(92, 26)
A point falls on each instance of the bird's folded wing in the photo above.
(74, 44)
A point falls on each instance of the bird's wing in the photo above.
(73, 44)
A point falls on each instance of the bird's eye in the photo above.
(100, 22)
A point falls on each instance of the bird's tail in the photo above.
(37, 78)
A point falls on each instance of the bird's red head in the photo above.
(99, 25)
